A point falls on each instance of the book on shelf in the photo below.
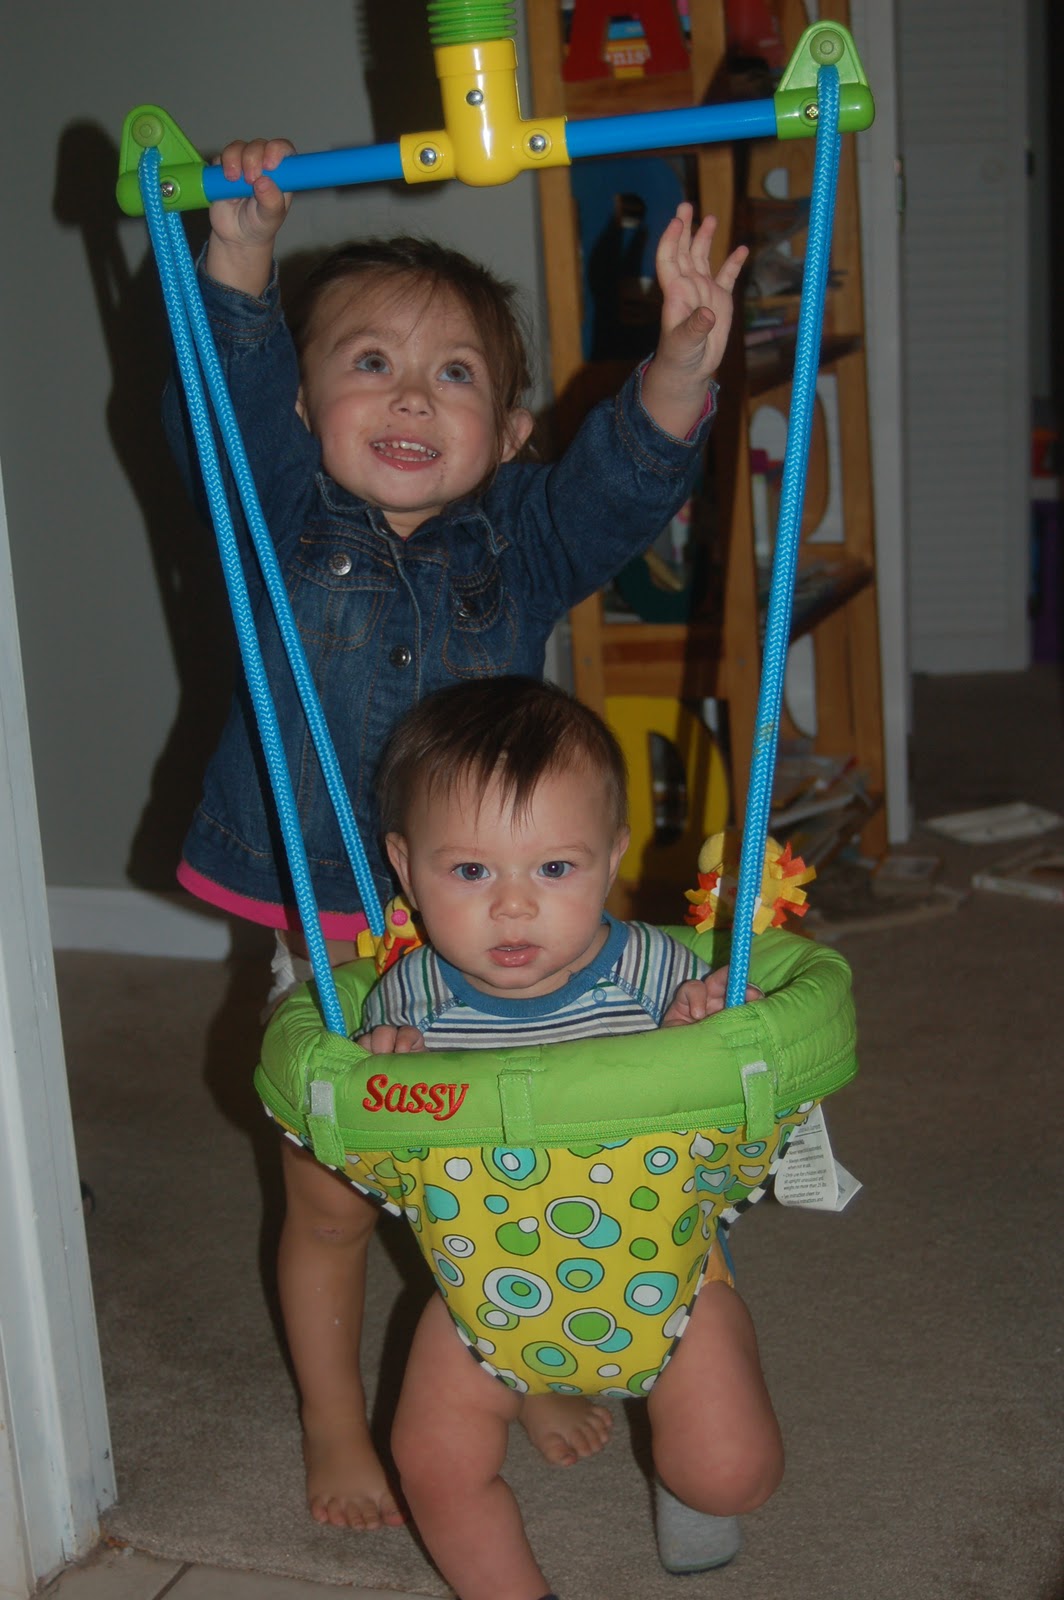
(848, 786)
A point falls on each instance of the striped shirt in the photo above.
(627, 988)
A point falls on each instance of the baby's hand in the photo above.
(240, 250)
(699, 998)
(385, 1040)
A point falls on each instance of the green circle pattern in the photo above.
(549, 1360)
(665, 1194)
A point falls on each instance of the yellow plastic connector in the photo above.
(485, 139)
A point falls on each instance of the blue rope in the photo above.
(788, 531)
(192, 338)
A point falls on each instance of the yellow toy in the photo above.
(781, 894)
(401, 933)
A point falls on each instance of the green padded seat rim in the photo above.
(749, 1064)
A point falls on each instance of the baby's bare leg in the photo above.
(717, 1443)
(565, 1428)
(449, 1440)
(321, 1275)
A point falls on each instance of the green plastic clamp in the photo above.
(825, 44)
(181, 166)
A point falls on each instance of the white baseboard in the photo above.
(133, 922)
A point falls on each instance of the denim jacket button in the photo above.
(340, 564)
(401, 656)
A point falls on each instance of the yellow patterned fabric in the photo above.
(574, 1270)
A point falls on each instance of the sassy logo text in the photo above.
(440, 1100)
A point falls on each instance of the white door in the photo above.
(55, 1458)
(962, 74)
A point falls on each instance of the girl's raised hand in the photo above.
(696, 313)
(696, 319)
(240, 250)
(255, 219)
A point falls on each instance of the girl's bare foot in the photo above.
(566, 1428)
(346, 1483)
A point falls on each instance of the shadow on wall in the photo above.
(400, 73)
(183, 552)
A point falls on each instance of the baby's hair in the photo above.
(406, 261)
(515, 730)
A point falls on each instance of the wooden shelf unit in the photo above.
(836, 602)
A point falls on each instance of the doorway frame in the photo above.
(56, 1473)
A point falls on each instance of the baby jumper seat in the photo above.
(567, 1197)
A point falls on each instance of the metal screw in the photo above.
(429, 156)
(475, 97)
(811, 113)
(537, 143)
(168, 188)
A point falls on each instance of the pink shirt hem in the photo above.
(334, 924)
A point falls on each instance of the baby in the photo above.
(504, 807)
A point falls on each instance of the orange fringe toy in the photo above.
(713, 902)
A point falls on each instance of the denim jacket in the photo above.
(474, 592)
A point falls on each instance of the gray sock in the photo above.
(689, 1540)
